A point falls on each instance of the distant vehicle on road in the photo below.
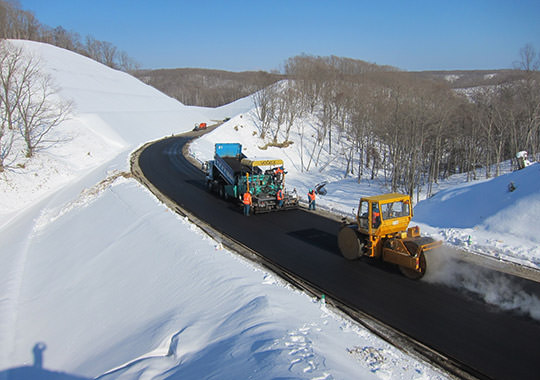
(200, 127)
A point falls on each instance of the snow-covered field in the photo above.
(116, 285)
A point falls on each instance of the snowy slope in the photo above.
(114, 284)
(113, 112)
(501, 222)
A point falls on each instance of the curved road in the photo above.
(490, 342)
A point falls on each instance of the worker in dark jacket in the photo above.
(247, 202)
(311, 199)
(376, 216)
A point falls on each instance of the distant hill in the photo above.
(206, 87)
(214, 88)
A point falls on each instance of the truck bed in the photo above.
(235, 164)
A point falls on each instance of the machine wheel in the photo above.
(350, 244)
(413, 274)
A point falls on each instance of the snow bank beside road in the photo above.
(486, 216)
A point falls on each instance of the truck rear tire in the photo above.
(350, 244)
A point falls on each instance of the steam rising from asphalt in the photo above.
(495, 288)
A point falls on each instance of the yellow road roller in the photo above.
(381, 231)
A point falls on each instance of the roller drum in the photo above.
(349, 242)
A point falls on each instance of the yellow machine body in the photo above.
(381, 231)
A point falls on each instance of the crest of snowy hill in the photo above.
(111, 103)
(113, 112)
(499, 215)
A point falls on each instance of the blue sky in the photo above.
(242, 35)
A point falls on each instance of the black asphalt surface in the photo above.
(496, 344)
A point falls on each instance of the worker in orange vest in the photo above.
(279, 197)
(247, 202)
(311, 198)
(278, 172)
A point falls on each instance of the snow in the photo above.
(452, 77)
(118, 286)
(115, 285)
(498, 221)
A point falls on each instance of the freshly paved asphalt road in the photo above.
(497, 344)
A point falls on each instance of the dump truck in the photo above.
(381, 231)
(230, 174)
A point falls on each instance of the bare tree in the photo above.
(28, 102)
(528, 59)
(294, 107)
(109, 54)
(126, 63)
(11, 60)
(39, 109)
(93, 48)
(264, 109)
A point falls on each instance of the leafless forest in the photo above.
(412, 128)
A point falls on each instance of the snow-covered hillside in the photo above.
(113, 113)
(97, 278)
(489, 216)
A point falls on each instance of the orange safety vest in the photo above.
(278, 170)
(247, 198)
(311, 196)
(279, 195)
